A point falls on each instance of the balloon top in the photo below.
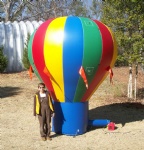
(71, 56)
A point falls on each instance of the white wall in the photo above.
(13, 37)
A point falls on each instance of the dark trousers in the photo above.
(45, 120)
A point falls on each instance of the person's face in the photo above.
(41, 88)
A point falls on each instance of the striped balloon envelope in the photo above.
(72, 56)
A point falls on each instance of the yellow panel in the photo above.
(53, 50)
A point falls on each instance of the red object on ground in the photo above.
(111, 126)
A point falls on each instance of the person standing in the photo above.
(44, 109)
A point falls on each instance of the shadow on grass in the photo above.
(56, 135)
(119, 113)
(9, 91)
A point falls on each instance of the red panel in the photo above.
(38, 55)
(107, 55)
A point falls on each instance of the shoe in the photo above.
(43, 138)
(48, 138)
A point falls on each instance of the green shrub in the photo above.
(3, 60)
(25, 59)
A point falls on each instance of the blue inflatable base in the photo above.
(70, 118)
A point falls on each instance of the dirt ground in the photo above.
(19, 129)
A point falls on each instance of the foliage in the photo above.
(25, 59)
(126, 20)
(3, 60)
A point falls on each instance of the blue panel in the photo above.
(70, 118)
(72, 55)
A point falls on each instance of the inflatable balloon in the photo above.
(72, 56)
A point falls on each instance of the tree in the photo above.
(44, 9)
(96, 9)
(11, 10)
(25, 59)
(77, 8)
(126, 20)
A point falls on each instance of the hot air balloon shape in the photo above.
(72, 56)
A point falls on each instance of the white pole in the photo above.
(135, 89)
(136, 72)
(131, 96)
(128, 90)
(130, 83)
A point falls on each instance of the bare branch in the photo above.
(18, 9)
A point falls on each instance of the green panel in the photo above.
(92, 53)
(31, 57)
